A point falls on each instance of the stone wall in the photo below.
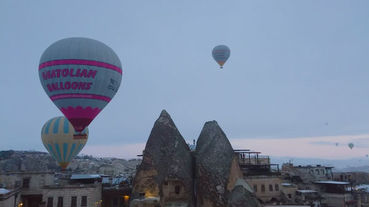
(272, 187)
(92, 191)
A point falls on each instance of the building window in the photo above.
(289, 196)
(74, 201)
(26, 182)
(270, 187)
(276, 187)
(317, 171)
(84, 201)
(262, 188)
(177, 189)
(50, 201)
(60, 201)
(256, 188)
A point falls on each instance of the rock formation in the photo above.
(170, 175)
(166, 169)
(217, 171)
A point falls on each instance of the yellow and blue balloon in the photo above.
(57, 137)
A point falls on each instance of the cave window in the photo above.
(262, 188)
(177, 189)
(276, 187)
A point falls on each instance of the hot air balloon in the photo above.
(336, 144)
(351, 145)
(57, 137)
(80, 76)
(221, 54)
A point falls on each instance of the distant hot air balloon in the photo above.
(221, 54)
(80, 76)
(366, 155)
(351, 145)
(57, 137)
(337, 144)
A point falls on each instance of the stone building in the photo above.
(356, 178)
(30, 183)
(45, 189)
(335, 193)
(9, 197)
(308, 173)
(263, 176)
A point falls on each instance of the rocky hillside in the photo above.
(18, 161)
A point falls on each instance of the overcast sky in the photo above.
(298, 69)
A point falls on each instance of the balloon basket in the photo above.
(80, 136)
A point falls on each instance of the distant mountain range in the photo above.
(27, 161)
(360, 164)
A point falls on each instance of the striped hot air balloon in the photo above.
(80, 76)
(57, 137)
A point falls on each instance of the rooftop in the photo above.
(3, 191)
(363, 187)
(307, 191)
(331, 182)
(84, 176)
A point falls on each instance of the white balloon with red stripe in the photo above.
(81, 76)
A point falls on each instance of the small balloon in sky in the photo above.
(366, 155)
(81, 76)
(337, 144)
(57, 135)
(351, 145)
(221, 54)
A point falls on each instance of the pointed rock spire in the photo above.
(217, 170)
(167, 163)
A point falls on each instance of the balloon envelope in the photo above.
(221, 54)
(351, 145)
(57, 137)
(80, 76)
